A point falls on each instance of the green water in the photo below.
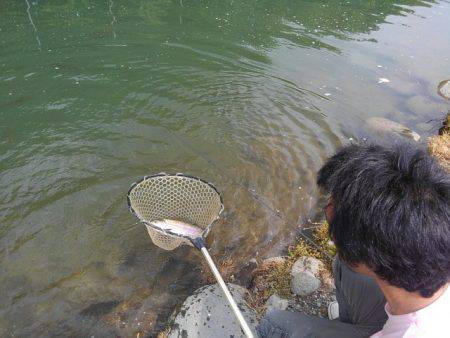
(250, 95)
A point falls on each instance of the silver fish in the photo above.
(178, 227)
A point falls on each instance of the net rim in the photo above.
(168, 232)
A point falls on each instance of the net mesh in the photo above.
(176, 197)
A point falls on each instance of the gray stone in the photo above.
(383, 125)
(207, 313)
(444, 89)
(276, 303)
(305, 276)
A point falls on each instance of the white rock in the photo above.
(305, 276)
(276, 303)
(206, 313)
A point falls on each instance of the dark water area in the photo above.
(249, 95)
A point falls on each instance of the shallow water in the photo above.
(250, 95)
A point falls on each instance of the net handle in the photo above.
(199, 243)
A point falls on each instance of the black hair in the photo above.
(391, 213)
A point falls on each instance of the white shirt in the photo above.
(432, 321)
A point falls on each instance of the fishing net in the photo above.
(176, 197)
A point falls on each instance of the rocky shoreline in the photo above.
(207, 314)
(300, 281)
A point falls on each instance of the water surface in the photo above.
(250, 95)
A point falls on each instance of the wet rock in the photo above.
(305, 277)
(276, 303)
(444, 89)
(207, 314)
(382, 125)
(99, 309)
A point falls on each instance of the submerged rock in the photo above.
(244, 276)
(383, 125)
(207, 314)
(99, 309)
(276, 303)
(444, 89)
(305, 277)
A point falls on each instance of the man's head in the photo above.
(391, 213)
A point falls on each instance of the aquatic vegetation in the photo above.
(439, 145)
(273, 276)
